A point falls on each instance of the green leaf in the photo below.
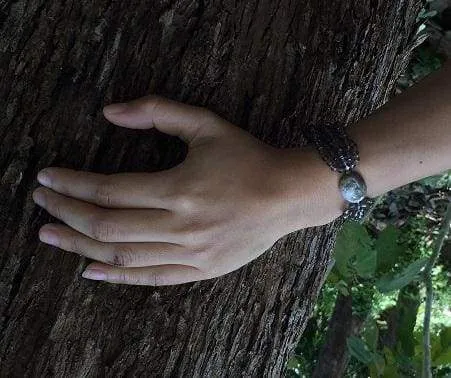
(441, 348)
(436, 347)
(359, 350)
(379, 365)
(293, 363)
(408, 302)
(365, 263)
(427, 14)
(444, 358)
(342, 287)
(391, 369)
(438, 181)
(412, 272)
(352, 240)
(370, 334)
(388, 249)
(333, 278)
(445, 337)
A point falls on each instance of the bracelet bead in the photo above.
(340, 152)
(352, 187)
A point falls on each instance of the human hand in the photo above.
(223, 206)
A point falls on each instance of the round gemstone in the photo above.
(352, 187)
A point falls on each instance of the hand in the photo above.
(223, 206)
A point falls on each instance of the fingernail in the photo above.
(115, 108)
(94, 274)
(48, 237)
(44, 178)
(39, 197)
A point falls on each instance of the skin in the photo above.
(233, 196)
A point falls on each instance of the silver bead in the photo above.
(352, 187)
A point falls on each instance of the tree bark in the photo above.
(334, 357)
(270, 67)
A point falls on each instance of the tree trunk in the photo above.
(334, 357)
(270, 67)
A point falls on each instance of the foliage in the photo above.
(360, 350)
(425, 62)
(442, 181)
(393, 273)
(386, 282)
(388, 248)
(361, 258)
(410, 273)
(354, 253)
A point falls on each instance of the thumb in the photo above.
(171, 117)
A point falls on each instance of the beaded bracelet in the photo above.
(340, 153)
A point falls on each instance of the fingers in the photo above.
(171, 117)
(139, 225)
(154, 264)
(152, 276)
(130, 190)
(118, 254)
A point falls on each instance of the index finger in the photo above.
(171, 117)
(118, 190)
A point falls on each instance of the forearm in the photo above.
(408, 138)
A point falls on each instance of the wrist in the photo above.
(307, 189)
(375, 155)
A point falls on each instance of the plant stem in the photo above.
(427, 373)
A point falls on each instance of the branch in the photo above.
(427, 373)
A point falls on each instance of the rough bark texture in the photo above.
(269, 66)
(334, 356)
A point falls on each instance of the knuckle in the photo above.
(206, 261)
(56, 207)
(131, 278)
(125, 277)
(206, 115)
(212, 122)
(122, 256)
(74, 244)
(152, 104)
(58, 211)
(155, 279)
(203, 259)
(204, 112)
(192, 233)
(103, 229)
(186, 203)
(104, 192)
